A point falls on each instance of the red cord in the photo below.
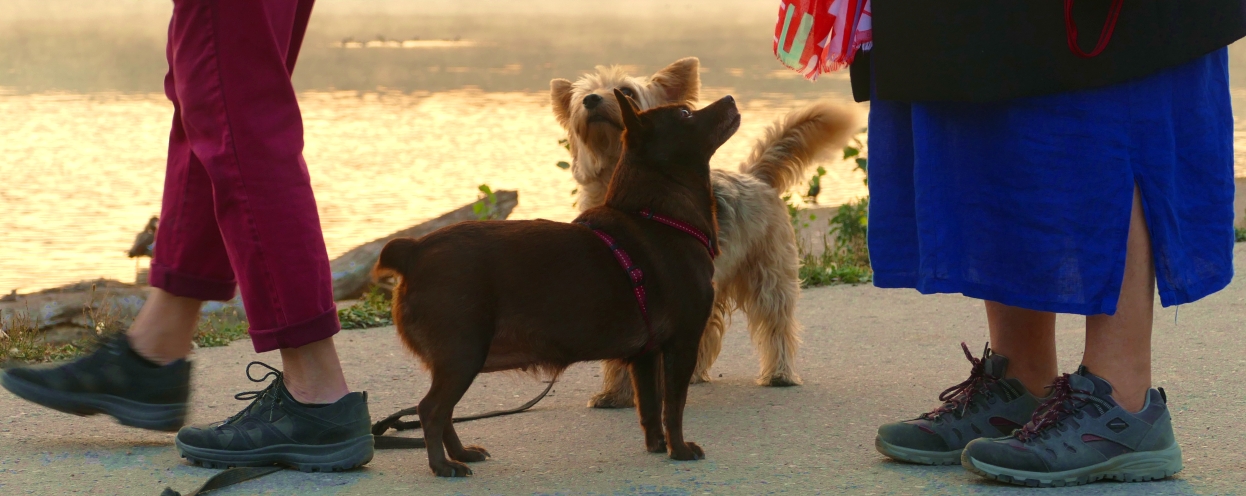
(1104, 36)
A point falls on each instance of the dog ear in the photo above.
(679, 82)
(560, 99)
(628, 110)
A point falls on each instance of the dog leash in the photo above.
(231, 476)
(382, 441)
(227, 477)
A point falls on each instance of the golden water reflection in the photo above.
(402, 121)
(82, 173)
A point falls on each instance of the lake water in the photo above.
(396, 132)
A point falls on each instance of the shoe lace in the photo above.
(1064, 401)
(957, 398)
(258, 397)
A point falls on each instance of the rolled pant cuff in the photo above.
(320, 327)
(189, 286)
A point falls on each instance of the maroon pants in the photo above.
(238, 208)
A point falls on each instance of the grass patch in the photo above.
(845, 255)
(846, 260)
(372, 311)
(1239, 234)
(19, 341)
(21, 333)
(826, 270)
(218, 331)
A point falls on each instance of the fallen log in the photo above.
(352, 272)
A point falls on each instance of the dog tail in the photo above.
(396, 258)
(781, 157)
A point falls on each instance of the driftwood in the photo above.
(70, 312)
(352, 272)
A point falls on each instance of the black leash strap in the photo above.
(395, 422)
(229, 477)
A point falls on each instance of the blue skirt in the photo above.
(1027, 202)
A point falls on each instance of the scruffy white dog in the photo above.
(757, 270)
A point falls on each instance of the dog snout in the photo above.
(592, 101)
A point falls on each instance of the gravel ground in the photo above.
(870, 356)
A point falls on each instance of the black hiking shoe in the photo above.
(984, 405)
(1079, 436)
(277, 430)
(113, 380)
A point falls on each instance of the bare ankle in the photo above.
(315, 396)
(1129, 394)
(1036, 379)
(151, 350)
(313, 373)
(165, 327)
(1132, 403)
(1036, 385)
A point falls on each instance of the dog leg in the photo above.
(678, 361)
(436, 410)
(460, 453)
(712, 339)
(616, 386)
(771, 310)
(645, 381)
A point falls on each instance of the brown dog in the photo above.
(540, 295)
(757, 272)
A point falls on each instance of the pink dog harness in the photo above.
(638, 276)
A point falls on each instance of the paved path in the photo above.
(870, 356)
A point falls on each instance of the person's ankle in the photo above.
(153, 350)
(164, 328)
(315, 395)
(1130, 387)
(1035, 384)
(313, 373)
(1132, 403)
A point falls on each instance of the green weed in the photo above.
(829, 268)
(20, 343)
(846, 260)
(216, 330)
(372, 311)
(565, 143)
(486, 208)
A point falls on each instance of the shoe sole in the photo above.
(338, 457)
(917, 456)
(156, 417)
(1132, 467)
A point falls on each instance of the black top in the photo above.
(989, 50)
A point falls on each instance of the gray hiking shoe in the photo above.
(984, 405)
(1079, 436)
(113, 380)
(277, 430)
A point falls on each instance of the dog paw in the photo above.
(610, 400)
(700, 378)
(449, 468)
(690, 451)
(656, 445)
(780, 380)
(471, 454)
